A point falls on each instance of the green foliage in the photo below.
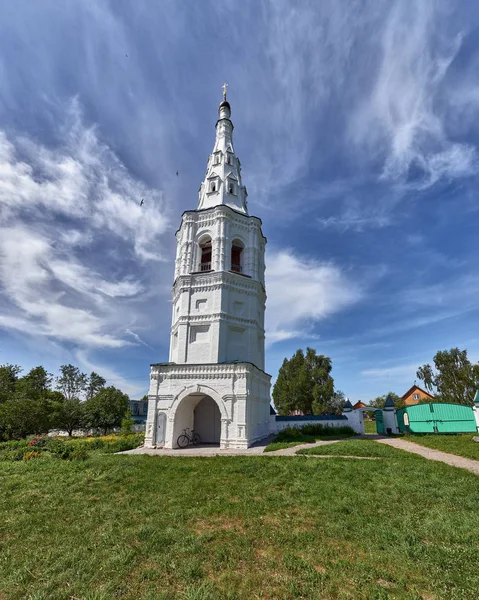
(68, 414)
(321, 431)
(107, 409)
(121, 444)
(69, 448)
(94, 385)
(127, 423)
(8, 380)
(11, 455)
(455, 379)
(304, 383)
(38, 441)
(380, 401)
(362, 448)
(308, 434)
(79, 453)
(35, 385)
(72, 382)
(22, 417)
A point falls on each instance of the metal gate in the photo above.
(378, 414)
(436, 417)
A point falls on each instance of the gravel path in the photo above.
(450, 459)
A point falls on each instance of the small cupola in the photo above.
(224, 109)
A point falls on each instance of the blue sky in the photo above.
(357, 124)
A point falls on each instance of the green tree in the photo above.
(35, 384)
(8, 381)
(304, 383)
(454, 379)
(72, 382)
(20, 417)
(380, 401)
(107, 409)
(68, 414)
(94, 385)
(127, 423)
(337, 402)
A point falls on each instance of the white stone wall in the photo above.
(354, 420)
(390, 420)
(476, 415)
(218, 316)
(241, 392)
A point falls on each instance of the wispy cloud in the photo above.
(70, 219)
(301, 292)
(403, 119)
(385, 373)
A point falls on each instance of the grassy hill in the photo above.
(130, 527)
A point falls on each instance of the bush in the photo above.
(96, 444)
(11, 455)
(310, 433)
(31, 455)
(327, 431)
(39, 441)
(127, 424)
(61, 449)
(79, 453)
(120, 444)
(13, 444)
(294, 434)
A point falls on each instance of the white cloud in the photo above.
(302, 291)
(69, 221)
(391, 372)
(403, 119)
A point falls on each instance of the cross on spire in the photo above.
(225, 85)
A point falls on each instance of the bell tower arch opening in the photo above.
(201, 414)
(206, 254)
(237, 251)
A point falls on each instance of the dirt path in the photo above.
(292, 451)
(450, 459)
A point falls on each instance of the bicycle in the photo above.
(186, 439)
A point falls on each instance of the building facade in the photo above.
(415, 395)
(214, 382)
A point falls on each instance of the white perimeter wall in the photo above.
(354, 420)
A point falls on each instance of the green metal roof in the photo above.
(476, 398)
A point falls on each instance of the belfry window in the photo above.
(231, 187)
(237, 256)
(217, 158)
(205, 256)
(213, 186)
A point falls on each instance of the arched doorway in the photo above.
(200, 413)
(207, 421)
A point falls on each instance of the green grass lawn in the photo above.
(143, 527)
(369, 426)
(460, 444)
(307, 434)
(354, 448)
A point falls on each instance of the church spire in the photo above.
(222, 183)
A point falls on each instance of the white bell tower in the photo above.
(214, 381)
